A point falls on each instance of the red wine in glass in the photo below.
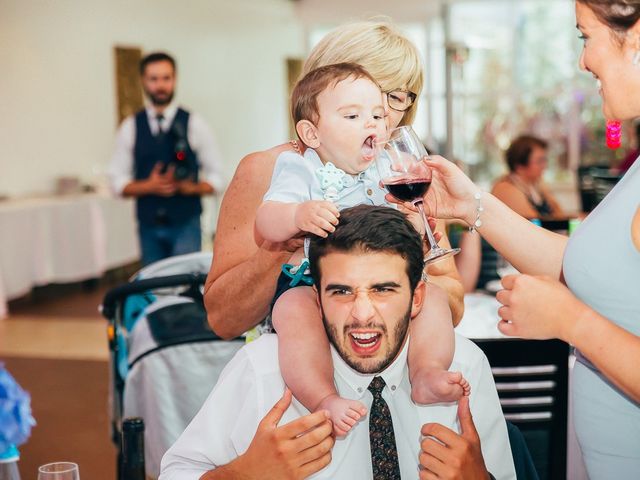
(407, 189)
(406, 177)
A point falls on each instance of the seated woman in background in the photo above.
(522, 189)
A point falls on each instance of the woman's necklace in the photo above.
(528, 189)
(296, 146)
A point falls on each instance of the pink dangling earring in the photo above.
(614, 134)
(636, 58)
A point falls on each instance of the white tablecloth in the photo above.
(480, 319)
(62, 239)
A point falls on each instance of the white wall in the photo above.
(334, 12)
(57, 87)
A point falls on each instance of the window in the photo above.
(515, 70)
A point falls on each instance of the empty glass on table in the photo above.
(59, 471)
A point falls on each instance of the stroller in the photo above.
(164, 358)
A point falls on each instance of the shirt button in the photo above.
(369, 192)
(393, 387)
(359, 389)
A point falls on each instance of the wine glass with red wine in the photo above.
(408, 178)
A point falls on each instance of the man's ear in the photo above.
(315, 290)
(418, 298)
(308, 133)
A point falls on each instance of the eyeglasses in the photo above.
(400, 100)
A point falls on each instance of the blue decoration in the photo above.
(298, 273)
(331, 177)
(11, 454)
(15, 412)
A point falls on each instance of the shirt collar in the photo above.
(311, 154)
(169, 113)
(358, 382)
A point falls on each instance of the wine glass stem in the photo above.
(432, 240)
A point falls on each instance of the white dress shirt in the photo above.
(252, 383)
(199, 135)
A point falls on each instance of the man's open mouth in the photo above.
(365, 343)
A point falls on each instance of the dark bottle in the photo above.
(132, 467)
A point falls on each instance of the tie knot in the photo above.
(160, 120)
(376, 386)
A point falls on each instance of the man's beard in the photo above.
(160, 101)
(355, 363)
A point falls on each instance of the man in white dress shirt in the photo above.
(167, 158)
(368, 277)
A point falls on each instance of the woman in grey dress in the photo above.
(584, 290)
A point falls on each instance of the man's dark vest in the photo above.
(149, 150)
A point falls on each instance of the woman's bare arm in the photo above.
(611, 348)
(275, 221)
(243, 275)
(445, 275)
(529, 248)
(469, 260)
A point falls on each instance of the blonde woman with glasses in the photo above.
(243, 276)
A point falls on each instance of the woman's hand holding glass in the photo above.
(452, 192)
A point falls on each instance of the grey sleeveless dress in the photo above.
(602, 268)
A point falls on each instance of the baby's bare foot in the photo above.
(437, 386)
(344, 413)
(466, 387)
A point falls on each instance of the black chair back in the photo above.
(532, 382)
(594, 183)
(488, 265)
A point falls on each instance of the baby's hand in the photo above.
(317, 216)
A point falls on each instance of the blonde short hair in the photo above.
(381, 49)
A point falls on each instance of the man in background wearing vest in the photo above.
(167, 158)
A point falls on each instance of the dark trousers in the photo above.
(163, 241)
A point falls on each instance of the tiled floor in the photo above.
(54, 344)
